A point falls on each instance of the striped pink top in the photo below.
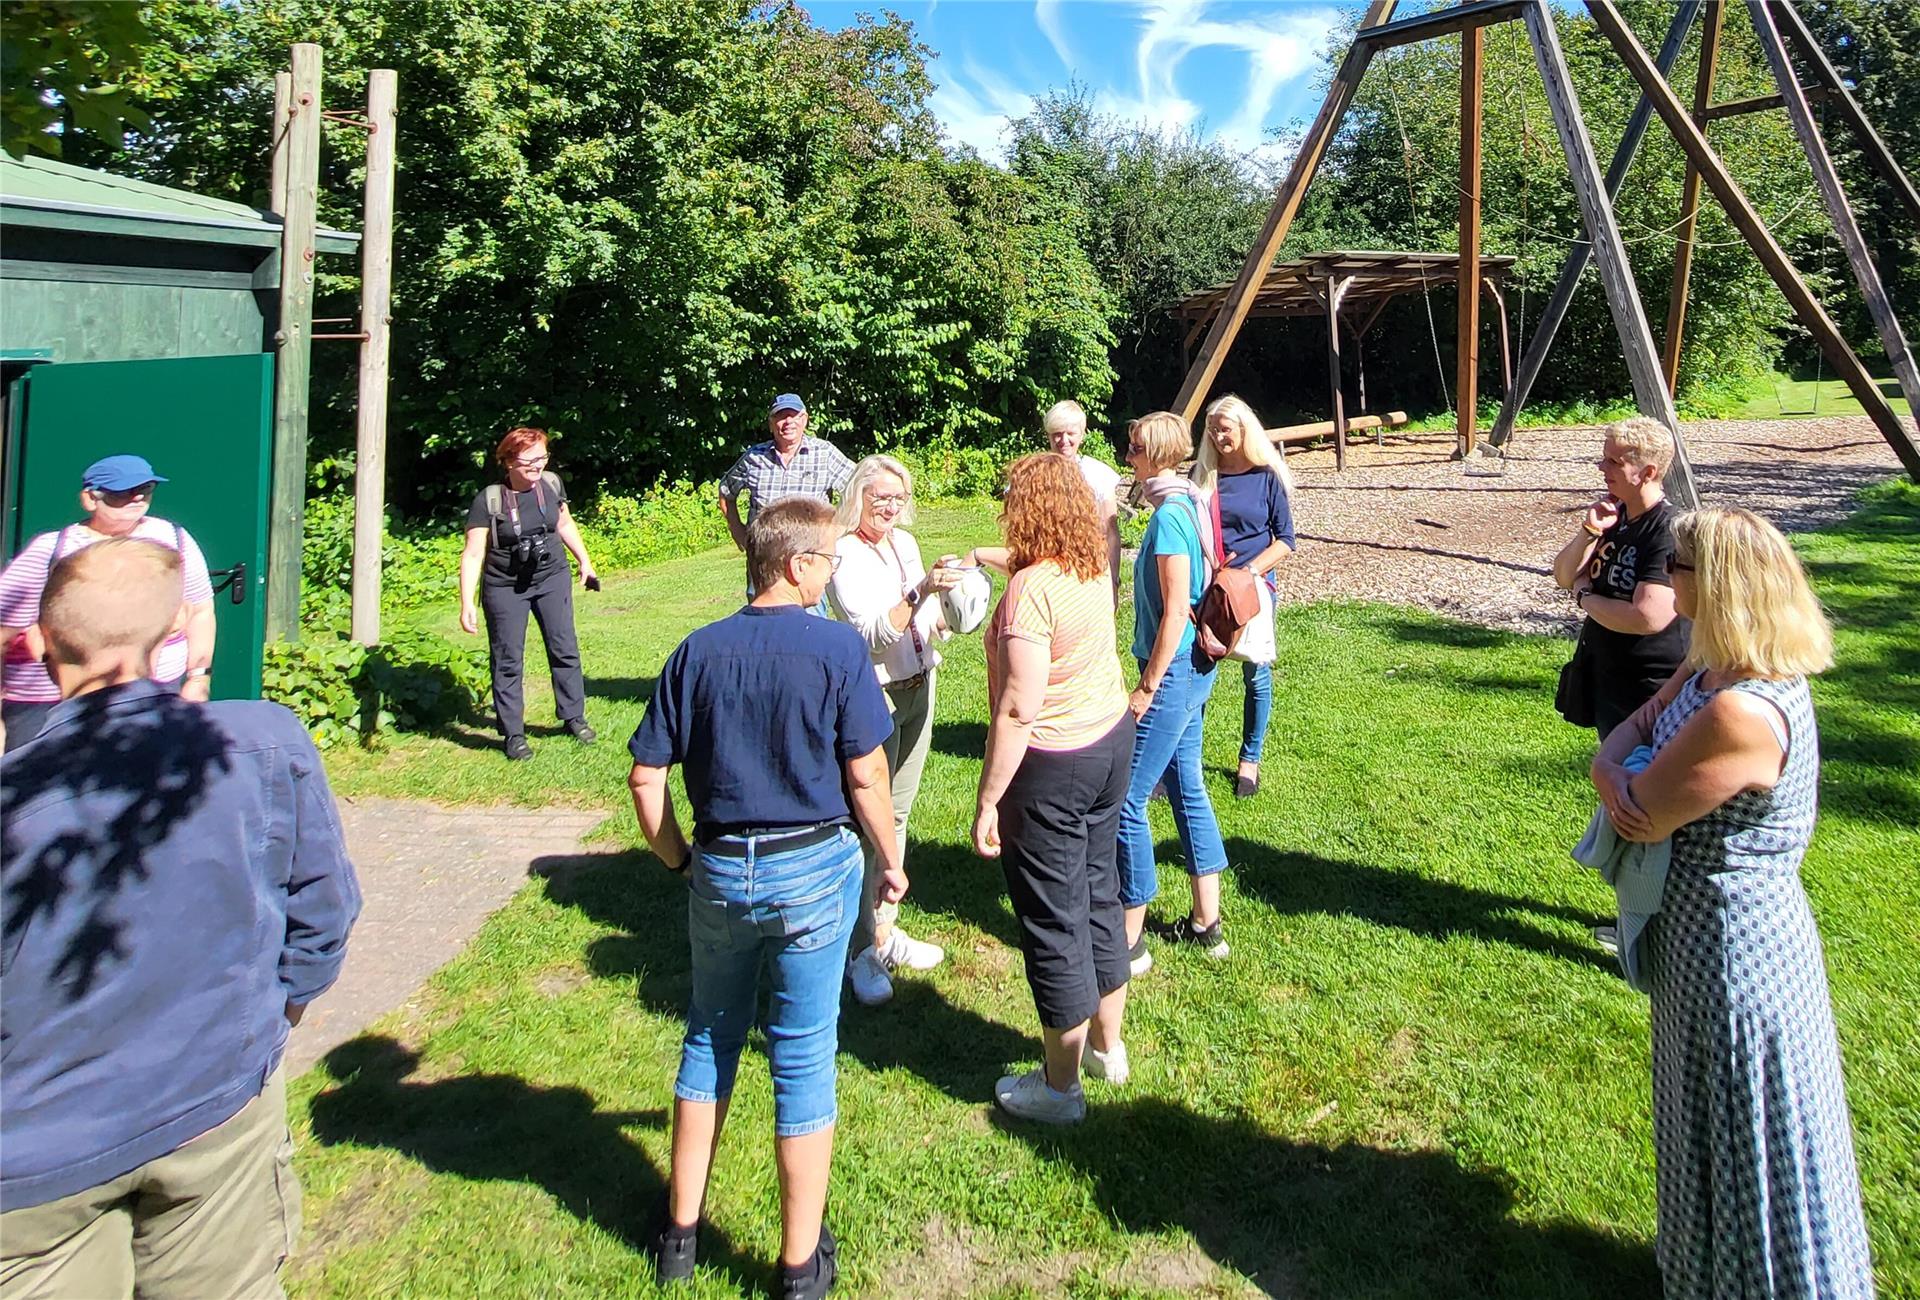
(26, 578)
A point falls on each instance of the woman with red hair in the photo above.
(1059, 748)
(512, 562)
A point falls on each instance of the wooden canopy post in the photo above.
(1870, 142)
(1741, 211)
(1506, 337)
(1336, 290)
(277, 151)
(1558, 302)
(294, 341)
(1466, 388)
(1239, 300)
(1690, 200)
(1839, 211)
(1609, 253)
(376, 298)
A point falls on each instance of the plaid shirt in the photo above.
(817, 470)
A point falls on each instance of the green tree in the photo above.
(62, 69)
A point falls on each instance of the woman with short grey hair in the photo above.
(881, 588)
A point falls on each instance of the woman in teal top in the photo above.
(1169, 575)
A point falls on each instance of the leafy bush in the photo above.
(419, 565)
(342, 690)
(668, 520)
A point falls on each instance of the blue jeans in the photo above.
(1166, 744)
(791, 912)
(1256, 710)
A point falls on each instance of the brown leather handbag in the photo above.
(1230, 602)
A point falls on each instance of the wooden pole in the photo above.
(1558, 302)
(1466, 387)
(294, 338)
(277, 142)
(376, 296)
(1506, 337)
(1286, 202)
(1870, 142)
(1335, 291)
(1609, 253)
(1872, 289)
(1741, 212)
(1690, 201)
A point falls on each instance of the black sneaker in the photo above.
(673, 1247)
(518, 749)
(815, 1277)
(1209, 939)
(581, 731)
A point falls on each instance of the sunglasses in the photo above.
(1136, 449)
(117, 497)
(1674, 566)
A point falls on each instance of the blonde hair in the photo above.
(113, 596)
(1166, 435)
(1646, 441)
(853, 497)
(1754, 614)
(790, 526)
(1064, 414)
(1253, 439)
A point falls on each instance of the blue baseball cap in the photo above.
(786, 402)
(118, 473)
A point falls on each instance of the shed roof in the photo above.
(1298, 288)
(42, 192)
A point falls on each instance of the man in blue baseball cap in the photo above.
(790, 464)
(116, 493)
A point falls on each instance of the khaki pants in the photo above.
(214, 1219)
(906, 751)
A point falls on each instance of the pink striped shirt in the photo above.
(25, 579)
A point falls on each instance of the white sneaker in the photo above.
(1139, 960)
(871, 983)
(1111, 1066)
(915, 954)
(1028, 1096)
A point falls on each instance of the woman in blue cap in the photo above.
(116, 494)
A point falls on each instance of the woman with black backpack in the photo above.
(514, 563)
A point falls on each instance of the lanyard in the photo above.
(513, 505)
(906, 594)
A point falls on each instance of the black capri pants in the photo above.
(1059, 840)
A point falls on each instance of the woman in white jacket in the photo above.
(881, 588)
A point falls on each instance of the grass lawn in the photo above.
(1416, 1075)
(1787, 397)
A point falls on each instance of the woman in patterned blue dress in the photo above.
(1758, 1192)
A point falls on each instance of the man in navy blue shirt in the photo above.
(777, 721)
(174, 890)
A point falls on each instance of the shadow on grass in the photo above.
(633, 690)
(499, 1127)
(1291, 883)
(1349, 1221)
(961, 739)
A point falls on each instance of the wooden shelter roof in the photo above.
(1298, 288)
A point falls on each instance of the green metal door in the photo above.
(206, 424)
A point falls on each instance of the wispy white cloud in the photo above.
(975, 105)
(1281, 45)
(1046, 16)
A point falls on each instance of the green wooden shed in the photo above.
(138, 318)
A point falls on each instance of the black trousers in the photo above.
(1059, 838)
(549, 596)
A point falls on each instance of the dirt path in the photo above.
(430, 876)
(1403, 523)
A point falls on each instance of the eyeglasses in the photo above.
(528, 462)
(1674, 565)
(831, 557)
(117, 497)
(889, 502)
(1618, 462)
(1136, 449)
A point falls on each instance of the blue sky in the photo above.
(1231, 69)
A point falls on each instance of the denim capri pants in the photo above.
(750, 907)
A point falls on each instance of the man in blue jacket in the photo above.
(174, 890)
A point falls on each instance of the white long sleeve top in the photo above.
(871, 580)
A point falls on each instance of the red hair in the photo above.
(1050, 514)
(516, 442)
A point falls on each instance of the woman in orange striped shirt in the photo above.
(1059, 749)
